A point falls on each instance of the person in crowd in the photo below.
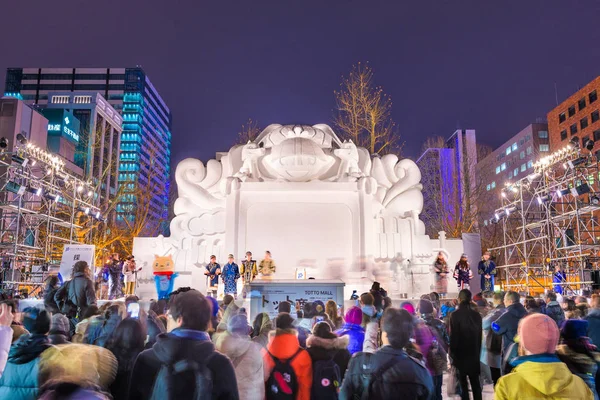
(441, 269)
(260, 329)
(377, 295)
(466, 334)
(583, 307)
(570, 309)
(393, 374)
(215, 317)
(212, 272)
(246, 357)
(6, 333)
(593, 319)
(126, 343)
(367, 306)
(553, 308)
(284, 350)
(285, 307)
(318, 314)
(491, 354)
(154, 327)
(487, 271)
(437, 351)
(531, 305)
(304, 323)
(113, 317)
(159, 306)
(188, 344)
(331, 309)
(353, 329)
(115, 269)
(559, 278)
(17, 327)
(507, 324)
(52, 285)
(20, 378)
(130, 271)
(77, 294)
(230, 275)
(330, 358)
(59, 330)
(249, 271)
(101, 282)
(463, 273)
(539, 373)
(267, 266)
(81, 327)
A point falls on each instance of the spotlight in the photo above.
(580, 190)
(98, 215)
(15, 188)
(509, 210)
(90, 193)
(576, 162)
(3, 143)
(514, 189)
(595, 200)
(543, 199)
(33, 163)
(52, 196)
(36, 191)
(533, 177)
(84, 209)
(574, 143)
(79, 189)
(589, 144)
(19, 160)
(21, 139)
(503, 194)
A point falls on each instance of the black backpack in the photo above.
(371, 376)
(167, 383)
(282, 383)
(327, 380)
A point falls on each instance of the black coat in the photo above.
(465, 339)
(169, 349)
(406, 379)
(79, 290)
(554, 311)
(49, 302)
(321, 349)
(508, 323)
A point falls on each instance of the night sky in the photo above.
(491, 66)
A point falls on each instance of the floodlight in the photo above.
(574, 143)
(509, 210)
(36, 191)
(580, 190)
(21, 139)
(595, 200)
(543, 199)
(15, 188)
(3, 143)
(19, 160)
(53, 196)
(589, 144)
(576, 162)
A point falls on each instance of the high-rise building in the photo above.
(577, 118)
(145, 146)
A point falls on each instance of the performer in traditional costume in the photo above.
(463, 273)
(249, 272)
(267, 266)
(213, 270)
(487, 270)
(441, 274)
(230, 274)
(558, 278)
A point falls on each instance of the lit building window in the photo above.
(503, 166)
(523, 167)
(530, 164)
(497, 169)
(508, 151)
(488, 187)
(543, 134)
(544, 147)
(60, 99)
(83, 99)
(529, 150)
(514, 146)
(516, 172)
(493, 184)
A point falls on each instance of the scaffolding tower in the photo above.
(550, 219)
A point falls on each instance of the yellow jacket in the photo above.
(541, 376)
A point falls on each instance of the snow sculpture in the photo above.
(310, 199)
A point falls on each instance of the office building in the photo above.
(576, 118)
(145, 144)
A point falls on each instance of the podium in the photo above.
(265, 295)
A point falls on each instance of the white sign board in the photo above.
(73, 253)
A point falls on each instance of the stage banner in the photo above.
(73, 253)
(472, 247)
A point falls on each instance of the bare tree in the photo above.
(364, 113)
(249, 131)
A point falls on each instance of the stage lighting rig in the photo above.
(580, 190)
(589, 144)
(543, 199)
(21, 139)
(3, 143)
(594, 200)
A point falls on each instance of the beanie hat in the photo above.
(573, 329)
(60, 324)
(408, 306)
(425, 306)
(353, 316)
(215, 305)
(283, 321)
(323, 330)
(538, 334)
(36, 320)
(238, 324)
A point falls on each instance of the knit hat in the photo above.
(215, 305)
(59, 324)
(573, 329)
(463, 255)
(408, 306)
(323, 330)
(283, 321)
(36, 320)
(238, 324)
(538, 334)
(353, 316)
(425, 307)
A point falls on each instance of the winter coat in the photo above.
(406, 379)
(248, 363)
(175, 346)
(263, 336)
(583, 365)
(439, 329)
(593, 319)
(80, 290)
(424, 337)
(80, 330)
(107, 330)
(541, 376)
(5, 342)
(507, 324)
(356, 334)
(465, 339)
(489, 358)
(321, 349)
(18, 330)
(304, 327)
(371, 342)
(20, 378)
(49, 302)
(283, 344)
(555, 311)
(441, 276)
(120, 386)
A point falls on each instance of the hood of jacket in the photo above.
(283, 343)
(27, 348)
(328, 344)
(583, 362)
(170, 348)
(553, 304)
(593, 312)
(517, 310)
(233, 346)
(545, 373)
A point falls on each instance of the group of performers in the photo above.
(463, 274)
(231, 272)
(116, 278)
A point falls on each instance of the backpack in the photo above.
(67, 306)
(327, 380)
(282, 383)
(164, 384)
(493, 342)
(370, 377)
(437, 358)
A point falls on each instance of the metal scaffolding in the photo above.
(43, 206)
(550, 219)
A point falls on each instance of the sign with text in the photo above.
(63, 123)
(73, 253)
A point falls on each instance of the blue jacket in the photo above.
(554, 311)
(593, 319)
(356, 334)
(507, 324)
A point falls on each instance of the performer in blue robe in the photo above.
(487, 270)
(230, 275)
(213, 270)
(559, 277)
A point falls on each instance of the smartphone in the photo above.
(133, 309)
